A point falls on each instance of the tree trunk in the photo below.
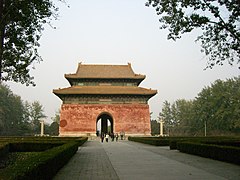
(1, 36)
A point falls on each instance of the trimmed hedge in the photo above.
(42, 165)
(224, 142)
(222, 153)
(32, 146)
(160, 141)
(150, 140)
(38, 139)
(219, 148)
(173, 142)
(163, 141)
(4, 149)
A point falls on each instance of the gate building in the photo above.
(104, 99)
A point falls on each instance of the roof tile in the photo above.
(108, 90)
(105, 71)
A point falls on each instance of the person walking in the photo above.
(113, 136)
(121, 135)
(116, 137)
(102, 137)
(107, 136)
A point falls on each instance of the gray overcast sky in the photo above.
(118, 32)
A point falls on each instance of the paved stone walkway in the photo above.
(130, 160)
(90, 162)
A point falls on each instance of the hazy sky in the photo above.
(118, 32)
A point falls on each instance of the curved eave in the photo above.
(105, 90)
(73, 77)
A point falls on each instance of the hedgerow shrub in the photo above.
(32, 146)
(36, 139)
(160, 141)
(42, 165)
(4, 149)
(173, 141)
(219, 148)
(224, 142)
(151, 141)
(223, 153)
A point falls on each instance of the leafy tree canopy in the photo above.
(219, 21)
(36, 113)
(11, 112)
(217, 105)
(155, 127)
(21, 24)
(18, 117)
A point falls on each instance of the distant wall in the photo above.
(80, 120)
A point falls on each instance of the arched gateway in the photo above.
(104, 124)
(105, 93)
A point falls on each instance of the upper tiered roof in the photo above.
(93, 71)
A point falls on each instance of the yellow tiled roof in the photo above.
(105, 72)
(108, 90)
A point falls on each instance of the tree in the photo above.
(166, 115)
(54, 127)
(26, 111)
(18, 117)
(36, 113)
(216, 106)
(11, 113)
(217, 19)
(219, 106)
(21, 24)
(155, 127)
(183, 116)
(177, 117)
(56, 118)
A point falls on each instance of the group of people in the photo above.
(107, 136)
(110, 135)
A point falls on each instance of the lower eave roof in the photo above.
(105, 90)
(75, 76)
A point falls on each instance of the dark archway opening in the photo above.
(104, 124)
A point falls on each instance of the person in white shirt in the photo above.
(107, 136)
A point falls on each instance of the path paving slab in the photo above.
(126, 160)
(223, 169)
(90, 162)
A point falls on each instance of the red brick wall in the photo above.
(77, 119)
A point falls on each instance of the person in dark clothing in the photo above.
(113, 136)
(107, 136)
(116, 137)
(121, 135)
(102, 137)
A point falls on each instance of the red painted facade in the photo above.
(80, 119)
